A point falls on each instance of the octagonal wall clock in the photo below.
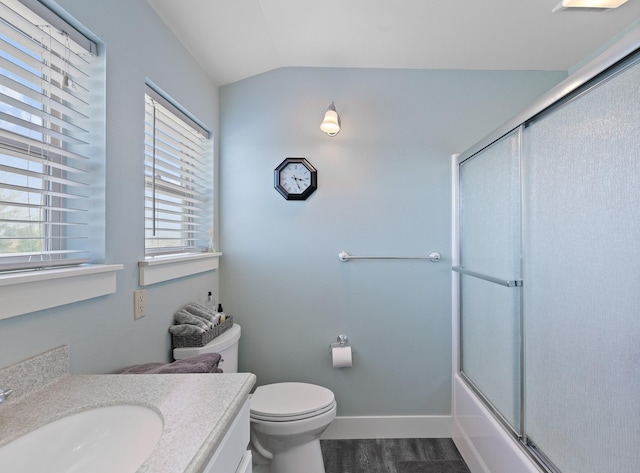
(295, 179)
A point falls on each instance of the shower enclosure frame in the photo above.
(486, 440)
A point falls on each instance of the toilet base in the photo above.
(290, 442)
(305, 458)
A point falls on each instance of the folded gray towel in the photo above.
(184, 317)
(186, 329)
(205, 363)
(200, 311)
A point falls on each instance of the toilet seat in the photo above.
(286, 402)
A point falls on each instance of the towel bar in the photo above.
(434, 256)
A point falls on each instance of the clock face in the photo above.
(295, 179)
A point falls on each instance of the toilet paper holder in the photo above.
(341, 341)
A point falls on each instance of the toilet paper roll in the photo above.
(341, 357)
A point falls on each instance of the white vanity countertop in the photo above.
(196, 409)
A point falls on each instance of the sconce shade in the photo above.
(331, 123)
(597, 4)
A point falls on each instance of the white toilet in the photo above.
(287, 419)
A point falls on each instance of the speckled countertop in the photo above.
(196, 409)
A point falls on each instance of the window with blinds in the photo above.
(45, 139)
(178, 169)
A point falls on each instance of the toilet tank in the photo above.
(225, 344)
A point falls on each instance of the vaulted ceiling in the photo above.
(235, 39)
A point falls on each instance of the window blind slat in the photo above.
(34, 60)
(40, 160)
(53, 224)
(43, 239)
(41, 34)
(43, 192)
(10, 140)
(164, 184)
(173, 235)
(175, 137)
(41, 176)
(192, 166)
(39, 253)
(24, 107)
(45, 131)
(164, 211)
(177, 192)
(74, 110)
(187, 181)
(172, 168)
(34, 207)
(166, 207)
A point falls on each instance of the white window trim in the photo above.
(30, 291)
(165, 268)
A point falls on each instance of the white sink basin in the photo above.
(102, 440)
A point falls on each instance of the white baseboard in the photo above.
(389, 427)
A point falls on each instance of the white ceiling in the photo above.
(235, 39)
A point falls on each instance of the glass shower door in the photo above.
(490, 301)
(582, 279)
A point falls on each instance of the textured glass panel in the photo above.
(489, 210)
(490, 326)
(582, 280)
(490, 231)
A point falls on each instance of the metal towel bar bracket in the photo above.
(434, 256)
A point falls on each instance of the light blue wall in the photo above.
(101, 332)
(383, 189)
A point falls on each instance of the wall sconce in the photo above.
(331, 123)
(582, 4)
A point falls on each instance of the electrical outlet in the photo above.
(139, 303)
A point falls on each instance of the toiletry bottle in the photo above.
(210, 302)
(221, 313)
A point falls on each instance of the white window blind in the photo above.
(178, 180)
(45, 138)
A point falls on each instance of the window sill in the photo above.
(166, 268)
(29, 291)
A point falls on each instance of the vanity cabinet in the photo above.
(232, 455)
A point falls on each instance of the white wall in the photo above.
(101, 332)
(383, 189)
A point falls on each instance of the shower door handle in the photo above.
(502, 282)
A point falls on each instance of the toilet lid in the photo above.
(281, 401)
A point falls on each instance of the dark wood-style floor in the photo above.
(392, 456)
